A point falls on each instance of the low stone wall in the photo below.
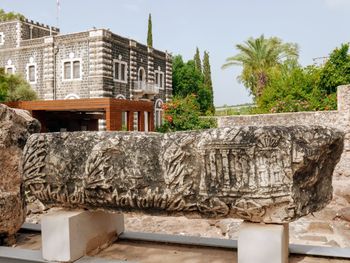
(294, 118)
(339, 119)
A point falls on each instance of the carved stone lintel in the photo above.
(260, 174)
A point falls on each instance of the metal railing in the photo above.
(145, 88)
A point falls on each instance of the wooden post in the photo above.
(141, 121)
(110, 122)
(130, 122)
(118, 120)
(151, 121)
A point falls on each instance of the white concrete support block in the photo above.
(69, 235)
(263, 243)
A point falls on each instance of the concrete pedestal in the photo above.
(263, 243)
(69, 235)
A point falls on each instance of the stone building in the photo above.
(91, 64)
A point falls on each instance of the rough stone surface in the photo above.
(338, 119)
(15, 128)
(269, 174)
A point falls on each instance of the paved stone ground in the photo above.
(147, 252)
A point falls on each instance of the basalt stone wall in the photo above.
(339, 119)
(29, 43)
(10, 31)
(73, 47)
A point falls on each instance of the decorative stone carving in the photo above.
(15, 128)
(261, 174)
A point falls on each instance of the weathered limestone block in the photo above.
(15, 128)
(261, 174)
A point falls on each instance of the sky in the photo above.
(179, 26)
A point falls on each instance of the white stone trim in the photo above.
(72, 60)
(125, 73)
(9, 65)
(35, 69)
(2, 38)
(120, 96)
(19, 33)
(155, 79)
(72, 96)
(158, 120)
(96, 33)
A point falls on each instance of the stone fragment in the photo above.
(261, 174)
(15, 128)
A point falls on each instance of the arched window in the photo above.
(142, 75)
(158, 113)
(72, 96)
(124, 113)
(120, 96)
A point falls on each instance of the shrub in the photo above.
(184, 114)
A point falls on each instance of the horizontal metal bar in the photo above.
(14, 255)
(219, 243)
(18, 255)
(176, 239)
(308, 250)
(100, 260)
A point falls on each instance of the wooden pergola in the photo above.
(109, 109)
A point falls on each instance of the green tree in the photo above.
(336, 71)
(15, 88)
(184, 114)
(197, 60)
(149, 32)
(257, 56)
(10, 16)
(187, 80)
(294, 88)
(207, 80)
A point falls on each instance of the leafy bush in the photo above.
(294, 88)
(14, 88)
(184, 114)
(10, 16)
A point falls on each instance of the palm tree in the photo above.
(257, 56)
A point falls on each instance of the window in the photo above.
(142, 74)
(159, 79)
(158, 112)
(72, 70)
(2, 38)
(76, 69)
(120, 71)
(31, 73)
(10, 69)
(67, 70)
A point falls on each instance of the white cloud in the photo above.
(338, 3)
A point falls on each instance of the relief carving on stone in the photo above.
(246, 172)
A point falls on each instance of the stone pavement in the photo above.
(147, 252)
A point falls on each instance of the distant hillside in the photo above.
(240, 109)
